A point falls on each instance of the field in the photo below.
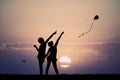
(61, 77)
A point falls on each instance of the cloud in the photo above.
(16, 46)
(90, 58)
(94, 58)
(12, 55)
(11, 62)
(99, 58)
(3, 46)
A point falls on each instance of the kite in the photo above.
(23, 61)
(95, 18)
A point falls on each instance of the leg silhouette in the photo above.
(41, 67)
(55, 66)
(48, 66)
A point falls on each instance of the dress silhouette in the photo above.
(41, 51)
(51, 55)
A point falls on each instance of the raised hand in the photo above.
(55, 32)
(35, 46)
(50, 36)
(62, 32)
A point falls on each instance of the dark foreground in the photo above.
(62, 77)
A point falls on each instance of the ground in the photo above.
(61, 77)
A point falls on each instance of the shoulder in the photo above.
(55, 46)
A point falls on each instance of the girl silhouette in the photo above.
(41, 51)
(51, 55)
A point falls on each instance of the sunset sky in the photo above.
(22, 22)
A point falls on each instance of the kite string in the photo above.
(88, 30)
(91, 26)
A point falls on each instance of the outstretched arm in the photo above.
(50, 37)
(59, 39)
(36, 48)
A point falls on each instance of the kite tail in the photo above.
(88, 30)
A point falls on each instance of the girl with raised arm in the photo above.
(51, 55)
(41, 51)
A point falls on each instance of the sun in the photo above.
(64, 61)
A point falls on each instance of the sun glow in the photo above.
(65, 61)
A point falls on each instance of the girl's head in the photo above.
(41, 40)
(50, 44)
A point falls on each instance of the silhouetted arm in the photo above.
(58, 39)
(50, 37)
(47, 53)
(36, 48)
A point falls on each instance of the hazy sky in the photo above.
(22, 22)
(26, 20)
